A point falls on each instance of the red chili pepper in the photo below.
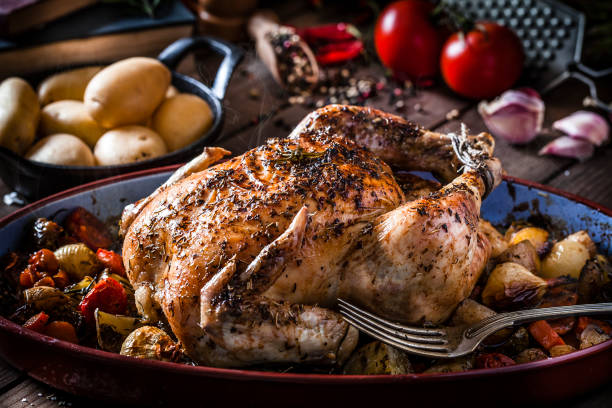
(339, 52)
(37, 322)
(493, 360)
(108, 295)
(88, 229)
(336, 32)
(112, 261)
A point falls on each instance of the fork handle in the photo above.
(503, 320)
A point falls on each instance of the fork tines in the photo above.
(423, 341)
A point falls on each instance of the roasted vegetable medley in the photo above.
(68, 283)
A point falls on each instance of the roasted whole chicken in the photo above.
(246, 259)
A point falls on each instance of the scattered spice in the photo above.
(452, 114)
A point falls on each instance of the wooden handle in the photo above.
(262, 22)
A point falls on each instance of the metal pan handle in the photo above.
(587, 76)
(176, 51)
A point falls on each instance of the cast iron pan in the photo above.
(35, 180)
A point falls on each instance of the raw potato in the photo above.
(567, 257)
(62, 149)
(127, 92)
(182, 119)
(378, 358)
(19, 114)
(497, 240)
(128, 144)
(70, 117)
(66, 85)
(512, 286)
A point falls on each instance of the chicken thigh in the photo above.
(246, 259)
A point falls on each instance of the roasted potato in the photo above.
(522, 253)
(529, 355)
(70, 117)
(378, 358)
(454, 365)
(61, 149)
(470, 312)
(66, 85)
(127, 92)
(181, 120)
(128, 144)
(537, 236)
(567, 257)
(497, 240)
(512, 286)
(19, 114)
(561, 350)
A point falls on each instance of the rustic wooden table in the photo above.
(255, 110)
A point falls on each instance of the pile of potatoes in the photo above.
(123, 113)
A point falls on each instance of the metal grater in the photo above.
(552, 35)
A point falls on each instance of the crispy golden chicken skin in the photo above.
(245, 259)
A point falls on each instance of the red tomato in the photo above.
(407, 41)
(111, 260)
(482, 63)
(108, 295)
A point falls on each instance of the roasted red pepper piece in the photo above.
(107, 295)
(335, 53)
(37, 322)
(328, 33)
(112, 261)
(87, 228)
(493, 360)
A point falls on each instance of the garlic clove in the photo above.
(565, 146)
(516, 115)
(584, 125)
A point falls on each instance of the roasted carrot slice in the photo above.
(545, 335)
(62, 330)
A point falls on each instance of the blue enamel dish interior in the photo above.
(509, 201)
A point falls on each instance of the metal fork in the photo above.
(451, 342)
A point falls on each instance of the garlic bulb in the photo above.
(516, 115)
(584, 125)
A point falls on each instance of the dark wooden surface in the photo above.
(249, 121)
